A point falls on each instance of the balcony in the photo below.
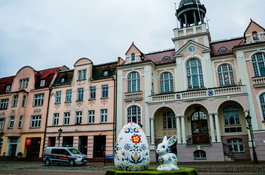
(258, 81)
(199, 94)
(133, 96)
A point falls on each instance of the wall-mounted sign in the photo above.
(28, 141)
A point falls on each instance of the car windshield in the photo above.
(74, 151)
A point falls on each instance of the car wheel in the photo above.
(72, 162)
(47, 162)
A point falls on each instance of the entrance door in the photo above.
(200, 133)
(99, 146)
(83, 144)
(12, 151)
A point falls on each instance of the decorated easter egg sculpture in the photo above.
(131, 152)
(168, 161)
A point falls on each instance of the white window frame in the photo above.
(134, 113)
(229, 73)
(23, 103)
(35, 121)
(82, 74)
(233, 143)
(91, 116)
(79, 117)
(66, 118)
(80, 95)
(15, 100)
(55, 119)
(2, 123)
(11, 122)
(58, 97)
(164, 81)
(8, 88)
(236, 120)
(38, 99)
(68, 96)
(4, 103)
(23, 83)
(191, 76)
(42, 83)
(166, 117)
(104, 115)
(200, 155)
(133, 79)
(93, 91)
(105, 91)
(258, 64)
(20, 122)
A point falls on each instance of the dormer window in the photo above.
(8, 88)
(42, 83)
(62, 80)
(82, 74)
(23, 83)
(255, 36)
(222, 49)
(166, 58)
(105, 73)
(132, 57)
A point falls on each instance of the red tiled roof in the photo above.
(228, 44)
(4, 82)
(157, 57)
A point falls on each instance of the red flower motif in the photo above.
(136, 139)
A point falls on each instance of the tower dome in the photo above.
(190, 12)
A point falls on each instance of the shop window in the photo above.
(67, 141)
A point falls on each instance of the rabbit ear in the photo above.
(165, 140)
(172, 140)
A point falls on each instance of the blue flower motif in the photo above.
(127, 147)
(127, 130)
(143, 147)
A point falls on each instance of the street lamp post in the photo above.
(60, 132)
(248, 119)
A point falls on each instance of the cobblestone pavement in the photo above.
(242, 168)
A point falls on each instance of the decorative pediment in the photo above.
(191, 46)
(134, 55)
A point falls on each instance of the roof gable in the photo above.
(253, 26)
(189, 43)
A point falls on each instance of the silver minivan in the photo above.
(64, 155)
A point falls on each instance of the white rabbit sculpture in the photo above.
(168, 161)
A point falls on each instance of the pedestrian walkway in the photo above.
(98, 168)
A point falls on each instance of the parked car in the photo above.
(64, 155)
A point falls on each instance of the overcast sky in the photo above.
(51, 33)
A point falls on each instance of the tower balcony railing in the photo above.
(179, 32)
(199, 94)
(258, 81)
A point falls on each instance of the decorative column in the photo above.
(178, 130)
(183, 129)
(218, 133)
(195, 19)
(152, 145)
(186, 20)
(212, 128)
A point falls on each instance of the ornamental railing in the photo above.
(130, 96)
(205, 93)
(258, 81)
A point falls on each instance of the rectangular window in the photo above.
(2, 123)
(23, 104)
(84, 74)
(11, 122)
(38, 100)
(79, 117)
(15, 98)
(93, 93)
(80, 94)
(66, 118)
(20, 121)
(68, 96)
(35, 121)
(79, 75)
(8, 88)
(42, 83)
(56, 119)
(4, 103)
(91, 116)
(58, 97)
(105, 91)
(23, 83)
(104, 115)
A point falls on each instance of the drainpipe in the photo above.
(114, 111)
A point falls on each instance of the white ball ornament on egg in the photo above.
(131, 151)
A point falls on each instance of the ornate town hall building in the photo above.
(202, 91)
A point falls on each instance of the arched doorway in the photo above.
(200, 132)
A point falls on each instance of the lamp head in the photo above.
(60, 131)
(248, 119)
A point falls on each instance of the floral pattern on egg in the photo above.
(131, 151)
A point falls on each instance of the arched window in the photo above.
(262, 103)
(132, 57)
(134, 82)
(166, 82)
(166, 58)
(258, 61)
(169, 120)
(231, 116)
(226, 75)
(194, 74)
(222, 49)
(235, 145)
(255, 36)
(199, 155)
(134, 114)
